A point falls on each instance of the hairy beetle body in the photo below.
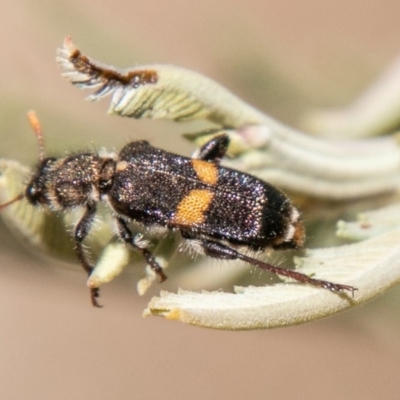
(217, 210)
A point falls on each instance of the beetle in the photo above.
(219, 212)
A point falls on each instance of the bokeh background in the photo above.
(286, 58)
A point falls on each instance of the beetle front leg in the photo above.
(127, 236)
(81, 231)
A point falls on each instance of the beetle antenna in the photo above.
(35, 125)
(18, 198)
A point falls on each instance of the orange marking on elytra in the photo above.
(191, 209)
(206, 171)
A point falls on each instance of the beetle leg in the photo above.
(221, 251)
(215, 149)
(127, 236)
(81, 231)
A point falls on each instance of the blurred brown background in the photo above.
(284, 57)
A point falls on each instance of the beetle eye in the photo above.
(32, 194)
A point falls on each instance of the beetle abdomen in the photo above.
(157, 187)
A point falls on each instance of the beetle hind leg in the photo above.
(221, 251)
(215, 149)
